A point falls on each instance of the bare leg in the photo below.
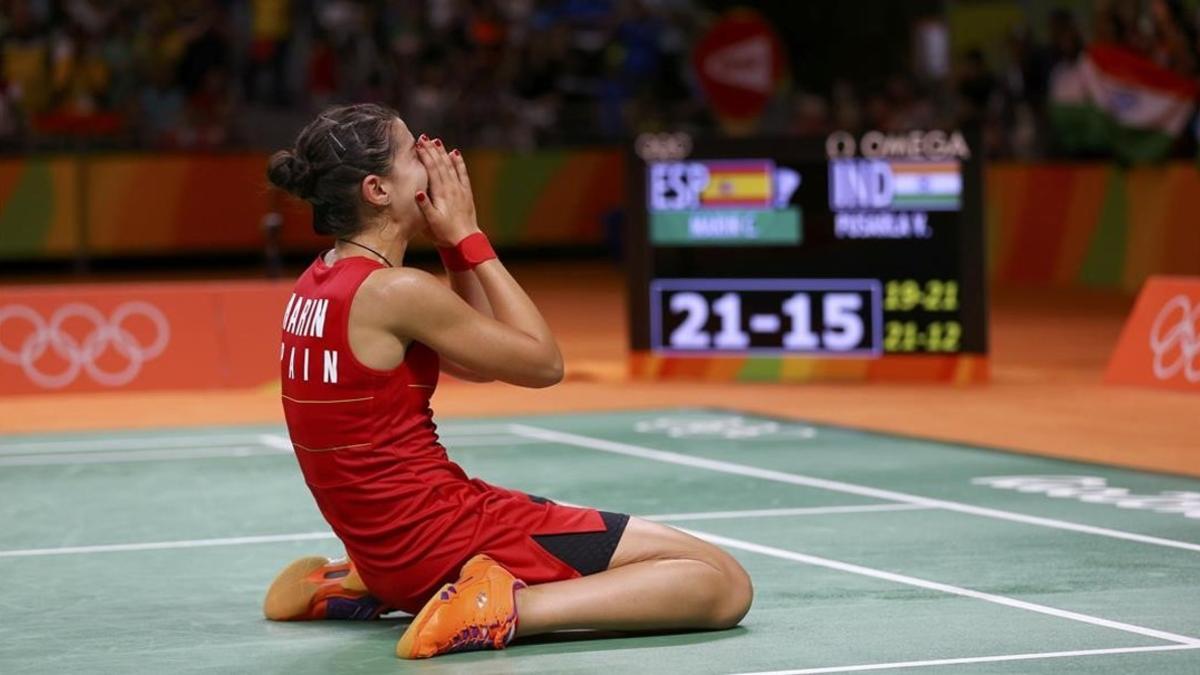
(659, 578)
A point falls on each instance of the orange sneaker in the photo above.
(479, 611)
(315, 587)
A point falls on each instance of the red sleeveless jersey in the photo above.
(368, 448)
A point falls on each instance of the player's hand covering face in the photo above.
(449, 207)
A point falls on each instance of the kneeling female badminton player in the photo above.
(364, 338)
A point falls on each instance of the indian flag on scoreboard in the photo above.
(926, 186)
(738, 184)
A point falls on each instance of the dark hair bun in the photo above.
(290, 173)
(331, 156)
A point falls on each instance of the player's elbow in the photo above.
(537, 367)
(549, 374)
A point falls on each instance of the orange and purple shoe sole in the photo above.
(478, 611)
(314, 588)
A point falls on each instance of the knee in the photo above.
(734, 600)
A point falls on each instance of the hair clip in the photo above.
(335, 140)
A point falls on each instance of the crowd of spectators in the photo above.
(1014, 98)
(216, 73)
(1008, 90)
(199, 74)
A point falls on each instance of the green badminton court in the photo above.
(149, 551)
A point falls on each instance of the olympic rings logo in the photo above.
(1175, 339)
(82, 354)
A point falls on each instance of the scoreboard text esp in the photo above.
(850, 257)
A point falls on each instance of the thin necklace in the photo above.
(362, 246)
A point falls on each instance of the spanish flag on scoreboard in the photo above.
(745, 183)
(929, 186)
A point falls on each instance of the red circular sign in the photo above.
(740, 64)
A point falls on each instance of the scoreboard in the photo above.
(848, 257)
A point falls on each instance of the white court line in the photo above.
(944, 588)
(836, 486)
(305, 536)
(770, 513)
(451, 442)
(165, 545)
(976, 659)
(277, 441)
(195, 441)
(140, 443)
(486, 442)
(473, 429)
(268, 444)
(71, 458)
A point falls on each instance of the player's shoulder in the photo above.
(401, 285)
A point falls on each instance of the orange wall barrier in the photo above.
(140, 336)
(1091, 224)
(1160, 344)
(1079, 224)
(140, 204)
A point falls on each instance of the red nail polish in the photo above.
(456, 153)
(437, 142)
(420, 196)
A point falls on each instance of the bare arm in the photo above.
(467, 287)
(515, 347)
(487, 327)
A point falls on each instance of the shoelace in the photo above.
(473, 638)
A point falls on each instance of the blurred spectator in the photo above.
(116, 48)
(976, 86)
(1066, 41)
(322, 80)
(847, 109)
(9, 117)
(26, 59)
(514, 73)
(1173, 41)
(810, 115)
(908, 109)
(204, 68)
(205, 50)
(79, 75)
(429, 100)
(208, 112)
(537, 85)
(161, 108)
(267, 57)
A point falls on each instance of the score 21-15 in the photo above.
(766, 316)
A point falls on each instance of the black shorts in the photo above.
(587, 552)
